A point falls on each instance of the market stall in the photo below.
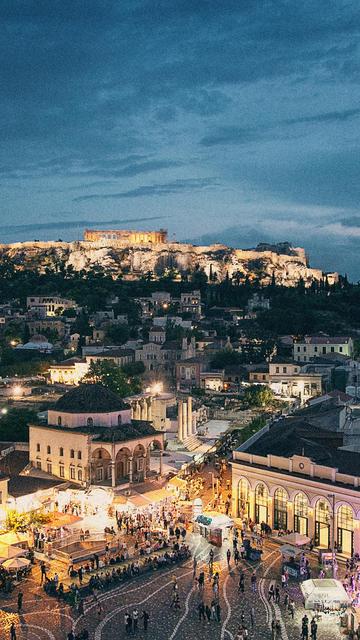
(215, 527)
(324, 594)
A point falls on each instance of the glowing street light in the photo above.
(157, 388)
(17, 390)
(4, 411)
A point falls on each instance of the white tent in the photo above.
(287, 551)
(327, 593)
(295, 539)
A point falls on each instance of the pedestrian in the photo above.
(99, 610)
(43, 572)
(277, 630)
(313, 629)
(253, 582)
(20, 601)
(218, 611)
(135, 617)
(228, 557)
(70, 635)
(208, 612)
(242, 582)
(201, 611)
(277, 594)
(286, 600)
(80, 574)
(12, 631)
(271, 593)
(145, 617)
(252, 618)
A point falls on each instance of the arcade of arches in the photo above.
(117, 463)
(310, 515)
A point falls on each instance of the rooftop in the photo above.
(89, 398)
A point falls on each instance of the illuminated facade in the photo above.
(90, 440)
(126, 236)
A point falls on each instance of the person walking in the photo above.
(43, 571)
(292, 608)
(253, 582)
(252, 618)
(208, 613)
(313, 629)
(20, 601)
(135, 617)
(277, 594)
(218, 611)
(271, 593)
(145, 617)
(12, 631)
(201, 611)
(242, 582)
(228, 558)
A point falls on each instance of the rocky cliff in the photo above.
(287, 263)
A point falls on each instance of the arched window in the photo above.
(280, 509)
(345, 529)
(48, 449)
(301, 510)
(72, 453)
(322, 523)
(90, 422)
(119, 420)
(61, 451)
(59, 421)
(243, 496)
(261, 503)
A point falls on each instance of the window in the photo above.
(59, 421)
(61, 451)
(255, 376)
(79, 455)
(340, 349)
(38, 447)
(284, 369)
(332, 349)
(99, 474)
(301, 509)
(90, 422)
(72, 473)
(79, 474)
(38, 464)
(261, 503)
(48, 449)
(49, 467)
(277, 370)
(61, 471)
(298, 349)
(244, 500)
(280, 509)
(315, 349)
(119, 420)
(72, 453)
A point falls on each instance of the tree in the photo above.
(14, 425)
(118, 333)
(258, 396)
(108, 374)
(225, 358)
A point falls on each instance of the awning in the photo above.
(14, 538)
(151, 497)
(295, 539)
(290, 552)
(328, 592)
(59, 519)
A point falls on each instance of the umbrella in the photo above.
(16, 563)
(7, 552)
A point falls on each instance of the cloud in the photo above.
(168, 188)
(61, 224)
(330, 116)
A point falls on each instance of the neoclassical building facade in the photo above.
(89, 439)
(313, 490)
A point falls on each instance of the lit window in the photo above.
(49, 467)
(62, 471)
(72, 473)
(79, 474)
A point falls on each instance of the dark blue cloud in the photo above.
(169, 188)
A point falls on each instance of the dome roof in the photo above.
(89, 398)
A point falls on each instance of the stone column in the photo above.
(185, 421)
(356, 536)
(290, 515)
(270, 518)
(161, 463)
(189, 416)
(145, 461)
(113, 480)
(137, 411)
(130, 469)
(149, 408)
(180, 422)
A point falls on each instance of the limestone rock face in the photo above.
(286, 263)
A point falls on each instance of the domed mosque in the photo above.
(90, 439)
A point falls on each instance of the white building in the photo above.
(315, 346)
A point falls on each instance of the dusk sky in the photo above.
(232, 121)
